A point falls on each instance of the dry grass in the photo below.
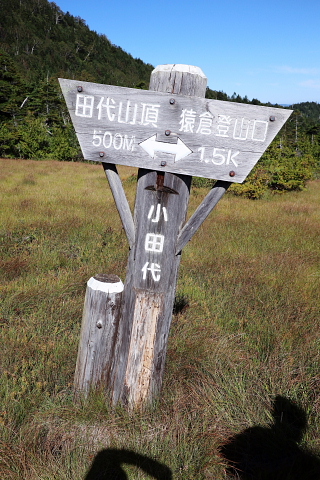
(249, 284)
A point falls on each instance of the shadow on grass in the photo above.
(180, 304)
(265, 453)
(107, 465)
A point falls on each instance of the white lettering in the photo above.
(231, 158)
(120, 111)
(96, 138)
(202, 150)
(128, 144)
(84, 105)
(259, 132)
(104, 140)
(187, 122)
(110, 108)
(220, 156)
(154, 269)
(241, 129)
(127, 113)
(133, 121)
(205, 123)
(224, 122)
(217, 154)
(154, 243)
(157, 217)
(149, 114)
(118, 141)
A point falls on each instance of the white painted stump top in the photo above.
(105, 285)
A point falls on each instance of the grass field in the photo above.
(249, 330)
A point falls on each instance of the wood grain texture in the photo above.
(142, 294)
(112, 123)
(160, 212)
(179, 79)
(100, 323)
(120, 200)
(148, 309)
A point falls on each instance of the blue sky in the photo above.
(269, 50)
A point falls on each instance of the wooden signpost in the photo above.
(170, 132)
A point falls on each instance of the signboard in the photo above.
(171, 133)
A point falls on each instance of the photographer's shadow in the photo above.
(273, 453)
(108, 465)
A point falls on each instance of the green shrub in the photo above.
(255, 186)
(9, 139)
(64, 144)
(200, 182)
(291, 172)
(279, 170)
(34, 138)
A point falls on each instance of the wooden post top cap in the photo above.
(178, 67)
(106, 283)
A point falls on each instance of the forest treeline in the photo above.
(40, 43)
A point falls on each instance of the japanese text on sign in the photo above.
(147, 114)
(154, 242)
(176, 133)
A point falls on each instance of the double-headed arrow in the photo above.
(179, 149)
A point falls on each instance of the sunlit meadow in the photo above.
(246, 326)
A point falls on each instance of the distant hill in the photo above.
(310, 110)
(43, 41)
(39, 43)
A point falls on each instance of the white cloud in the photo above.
(311, 83)
(300, 71)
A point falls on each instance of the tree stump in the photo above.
(100, 324)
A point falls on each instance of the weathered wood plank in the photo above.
(179, 79)
(100, 323)
(151, 281)
(199, 216)
(219, 140)
(148, 310)
(120, 200)
(148, 298)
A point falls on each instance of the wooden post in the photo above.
(120, 200)
(174, 132)
(99, 328)
(149, 292)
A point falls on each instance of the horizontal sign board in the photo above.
(172, 133)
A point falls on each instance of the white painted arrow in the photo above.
(179, 149)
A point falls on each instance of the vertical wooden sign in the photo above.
(149, 292)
